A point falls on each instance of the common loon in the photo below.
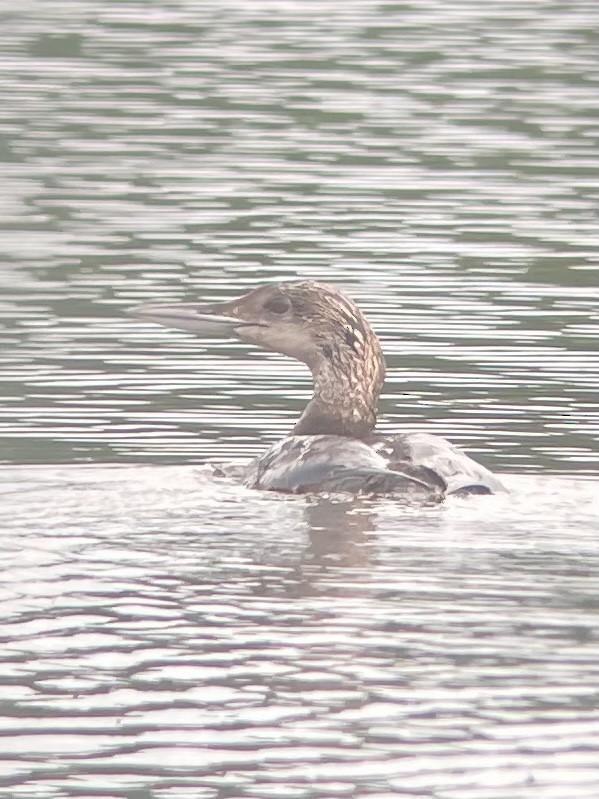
(333, 446)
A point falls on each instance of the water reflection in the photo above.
(166, 629)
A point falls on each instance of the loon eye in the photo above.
(278, 305)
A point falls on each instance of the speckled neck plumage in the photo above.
(349, 376)
(314, 323)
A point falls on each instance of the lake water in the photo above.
(168, 636)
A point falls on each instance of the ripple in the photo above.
(163, 633)
(167, 629)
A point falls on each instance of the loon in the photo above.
(333, 446)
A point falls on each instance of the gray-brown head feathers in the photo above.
(312, 322)
(319, 325)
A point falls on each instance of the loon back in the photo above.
(415, 465)
(301, 464)
(332, 447)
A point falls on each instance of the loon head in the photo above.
(312, 322)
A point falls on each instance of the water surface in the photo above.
(166, 635)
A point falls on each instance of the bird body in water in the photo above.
(333, 446)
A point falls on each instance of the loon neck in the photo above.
(346, 393)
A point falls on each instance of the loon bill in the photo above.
(333, 446)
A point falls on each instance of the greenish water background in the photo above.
(439, 161)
